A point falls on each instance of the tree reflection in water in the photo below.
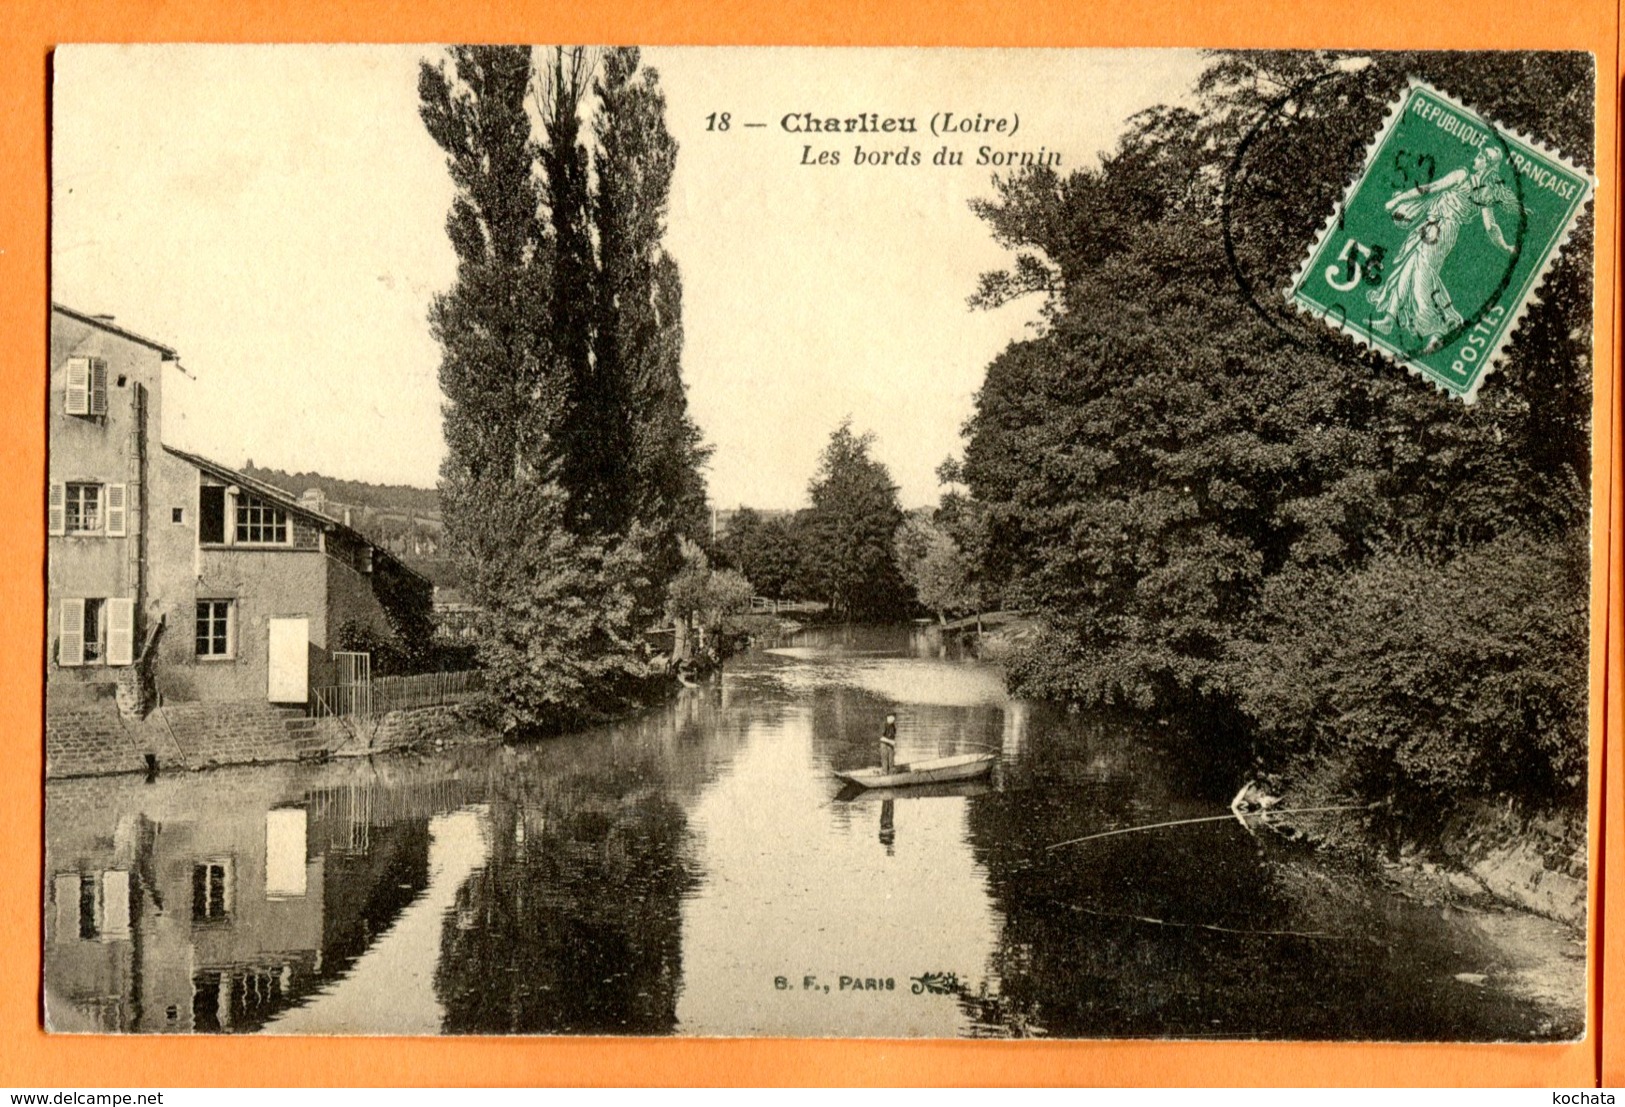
(1199, 931)
(574, 924)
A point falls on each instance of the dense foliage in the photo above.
(935, 567)
(572, 467)
(842, 550)
(766, 550)
(398, 499)
(1217, 506)
(708, 602)
(847, 556)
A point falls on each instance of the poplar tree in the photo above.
(639, 339)
(491, 326)
(590, 449)
(572, 467)
(559, 633)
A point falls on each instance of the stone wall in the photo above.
(86, 736)
(201, 735)
(412, 728)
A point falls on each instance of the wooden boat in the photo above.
(966, 766)
(852, 793)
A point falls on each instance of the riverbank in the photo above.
(643, 841)
(1514, 879)
(87, 735)
(1517, 883)
(993, 635)
(1502, 950)
(1478, 852)
(1533, 861)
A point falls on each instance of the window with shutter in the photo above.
(71, 646)
(98, 386)
(95, 632)
(116, 510)
(120, 632)
(57, 514)
(84, 509)
(78, 391)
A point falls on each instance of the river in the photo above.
(697, 871)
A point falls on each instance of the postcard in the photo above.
(740, 542)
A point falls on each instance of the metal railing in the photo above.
(341, 700)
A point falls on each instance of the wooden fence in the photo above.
(761, 604)
(384, 694)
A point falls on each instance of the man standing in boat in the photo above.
(888, 744)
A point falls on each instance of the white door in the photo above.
(289, 653)
(284, 852)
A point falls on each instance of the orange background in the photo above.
(30, 1058)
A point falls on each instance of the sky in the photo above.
(277, 215)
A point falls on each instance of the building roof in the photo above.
(289, 503)
(107, 325)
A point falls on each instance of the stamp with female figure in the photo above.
(1442, 240)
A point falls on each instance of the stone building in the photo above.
(172, 578)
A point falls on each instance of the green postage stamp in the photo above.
(1442, 240)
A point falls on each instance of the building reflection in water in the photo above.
(532, 891)
(171, 909)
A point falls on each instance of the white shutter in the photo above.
(67, 907)
(98, 386)
(116, 511)
(120, 632)
(71, 649)
(58, 512)
(288, 675)
(115, 905)
(78, 386)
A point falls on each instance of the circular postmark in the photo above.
(1409, 176)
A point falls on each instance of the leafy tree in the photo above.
(561, 630)
(1175, 453)
(766, 551)
(707, 599)
(742, 529)
(964, 519)
(1424, 678)
(846, 535)
(934, 567)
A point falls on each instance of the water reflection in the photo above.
(697, 871)
(389, 988)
